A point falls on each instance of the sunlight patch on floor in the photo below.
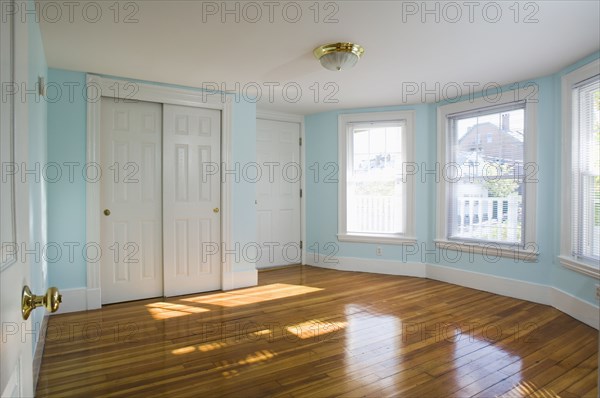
(232, 368)
(253, 295)
(203, 348)
(162, 310)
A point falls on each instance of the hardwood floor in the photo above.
(313, 332)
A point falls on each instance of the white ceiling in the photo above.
(180, 42)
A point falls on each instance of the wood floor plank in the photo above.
(312, 332)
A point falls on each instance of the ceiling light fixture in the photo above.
(338, 56)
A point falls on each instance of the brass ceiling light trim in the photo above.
(338, 56)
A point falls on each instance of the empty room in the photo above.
(299, 198)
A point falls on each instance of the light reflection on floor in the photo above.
(371, 339)
(477, 344)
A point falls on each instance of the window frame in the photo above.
(344, 148)
(528, 251)
(566, 259)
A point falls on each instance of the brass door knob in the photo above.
(51, 300)
(106, 212)
(216, 210)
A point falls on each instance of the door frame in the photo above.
(99, 86)
(290, 118)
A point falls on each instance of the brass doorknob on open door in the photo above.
(216, 210)
(51, 300)
(106, 212)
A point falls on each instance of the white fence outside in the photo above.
(374, 214)
(496, 219)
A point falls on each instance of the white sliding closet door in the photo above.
(131, 203)
(191, 197)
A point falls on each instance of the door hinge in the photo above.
(300, 141)
(300, 244)
(300, 193)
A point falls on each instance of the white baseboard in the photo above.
(94, 300)
(82, 299)
(494, 284)
(549, 295)
(39, 350)
(241, 279)
(583, 311)
(73, 300)
(388, 267)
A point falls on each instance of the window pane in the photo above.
(374, 186)
(485, 177)
(586, 171)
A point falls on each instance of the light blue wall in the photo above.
(66, 199)
(322, 209)
(37, 113)
(243, 146)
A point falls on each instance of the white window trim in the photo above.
(566, 258)
(343, 120)
(529, 250)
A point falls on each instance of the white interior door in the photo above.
(278, 192)
(16, 378)
(131, 262)
(192, 196)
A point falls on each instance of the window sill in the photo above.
(376, 238)
(489, 249)
(575, 264)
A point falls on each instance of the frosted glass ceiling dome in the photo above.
(338, 56)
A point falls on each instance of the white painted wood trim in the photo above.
(581, 310)
(279, 117)
(303, 215)
(567, 81)
(530, 149)
(528, 254)
(97, 87)
(579, 266)
(376, 238)
(92, 192)
(38, 352)
(409, 118)
(7, 125)
(73, 300)
(243, 279)
(227, 281)
(355, 264)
